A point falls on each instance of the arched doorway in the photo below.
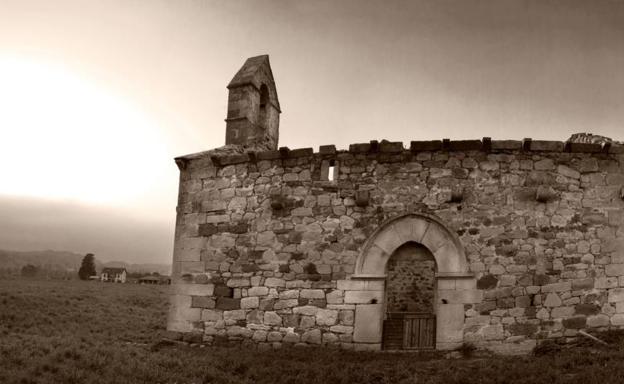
(409, 321)
(454, 285)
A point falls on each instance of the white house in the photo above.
(113, 275)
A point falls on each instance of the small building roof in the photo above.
(113, 271)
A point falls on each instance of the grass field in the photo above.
(88, 332)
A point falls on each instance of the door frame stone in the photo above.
(456, 286)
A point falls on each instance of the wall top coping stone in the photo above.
(229, 155)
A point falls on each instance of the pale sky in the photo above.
(97, 97)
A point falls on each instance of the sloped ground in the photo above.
(88, 332)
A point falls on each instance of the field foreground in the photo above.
(89, 332)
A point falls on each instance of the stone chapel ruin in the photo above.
(382, 247)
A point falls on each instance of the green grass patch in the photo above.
(89, 332)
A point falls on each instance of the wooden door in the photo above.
(409, 331)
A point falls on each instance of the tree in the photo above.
(29, 270)
(87, 269)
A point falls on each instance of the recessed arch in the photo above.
(425, 229)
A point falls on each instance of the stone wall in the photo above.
(267, 253)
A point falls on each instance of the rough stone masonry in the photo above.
(278, 246)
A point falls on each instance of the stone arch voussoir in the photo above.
(425, 229)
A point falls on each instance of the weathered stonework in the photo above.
(527, 238)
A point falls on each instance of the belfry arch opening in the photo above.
(264, 105)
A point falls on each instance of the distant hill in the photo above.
(69, 261)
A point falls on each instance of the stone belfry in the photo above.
(253, 108)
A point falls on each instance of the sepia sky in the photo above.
(97, 97)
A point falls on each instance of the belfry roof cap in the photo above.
(250, 73)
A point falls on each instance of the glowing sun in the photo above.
(63, 136)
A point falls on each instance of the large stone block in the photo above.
(361, 285)
(227, 303)
(181, 314)
(258, 291)
(368, 323)
(450, 323)
(363, 297)
(326, 317)
(274, 282)
(312, 337)
(597, 321)
(193, 289)
(375, 259)
(388, 240)
(448, 258)
(272, 318)
(435, 237)
(250, 302)
(312, 294)
(614, 270)
(464, 296)
(616, 295)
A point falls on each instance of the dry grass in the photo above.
(86, 332)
